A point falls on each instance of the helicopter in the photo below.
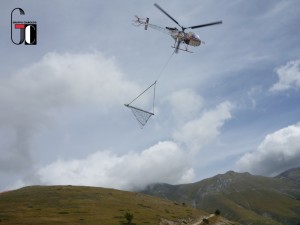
(180, 36)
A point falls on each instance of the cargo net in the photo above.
(141, 115)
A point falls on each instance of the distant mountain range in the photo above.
(241, 197)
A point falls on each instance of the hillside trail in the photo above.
(200, 220)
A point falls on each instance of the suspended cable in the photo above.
(164, 67)
(141, 115)
(143, 92)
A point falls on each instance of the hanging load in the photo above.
(142, 115)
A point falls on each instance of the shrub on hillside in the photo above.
(129, 217)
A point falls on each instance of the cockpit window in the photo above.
(196, 36)
(193, 35)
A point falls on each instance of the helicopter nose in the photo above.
(198, 41)
(195, 42)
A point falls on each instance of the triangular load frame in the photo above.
(141, 115)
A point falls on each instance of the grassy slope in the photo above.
(256, 208)
(86, 205)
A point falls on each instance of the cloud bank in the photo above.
(289, 77)
(195, 134)
(163, 162)
(31, 97)
(278, 151)
(166, 161)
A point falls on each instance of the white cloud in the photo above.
(278, 151)
(201, 131)
(163, 162)
(185, 103)
(289, 77)
(58, 81)
(29, 98)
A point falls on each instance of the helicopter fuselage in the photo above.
(188, 38)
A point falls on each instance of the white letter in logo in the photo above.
(28, 34)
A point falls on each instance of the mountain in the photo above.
(291, 174)
(68, 205)
(242, 197)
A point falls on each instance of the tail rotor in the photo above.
(140, 22)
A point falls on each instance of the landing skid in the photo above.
(185, 50)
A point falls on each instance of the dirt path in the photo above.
(200, 221)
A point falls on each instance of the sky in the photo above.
(233, 104)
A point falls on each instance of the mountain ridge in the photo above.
(291, 174)
(243, 197)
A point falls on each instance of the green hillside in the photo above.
(242, 197)
(91, 205)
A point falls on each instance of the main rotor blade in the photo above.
(161, 9)
(205, 25)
